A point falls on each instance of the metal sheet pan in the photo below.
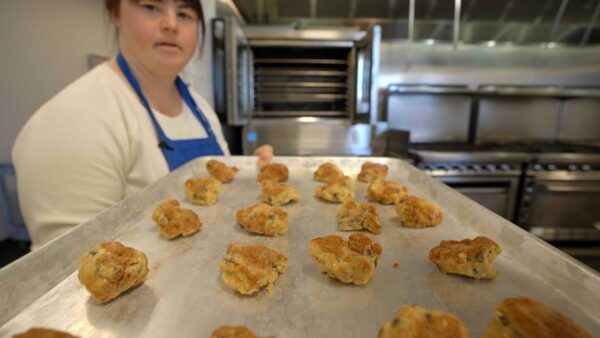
(183, 295)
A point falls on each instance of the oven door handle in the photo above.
(482, 190)
(570, 189)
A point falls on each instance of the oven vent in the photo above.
(292, 81)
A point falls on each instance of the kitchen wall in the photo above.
(44, 48)
(473, 65)
(477, 64)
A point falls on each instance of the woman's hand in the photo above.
(265, 154)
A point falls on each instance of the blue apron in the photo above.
(177, 152)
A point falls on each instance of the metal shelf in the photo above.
(293, 72)
(282, 113)
(301, 84)
(426, 89)
(264, 97)
(559, 92)
(301, 61)
(496, 90)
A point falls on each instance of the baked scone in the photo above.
(526, 317)
(387, 192)
(273, 171)
(337, 190)
(327, 171)
(203, 190)
(110, 269)
(234, 332)
(276, 193)
(370, 172)
(469, 257)
(249, 268)
(415, 212)
(263, 219)
(38, 332)
(355, 215)
(416, 321)
(220, 171)
(173, 221)
(352, 261)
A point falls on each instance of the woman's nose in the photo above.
(169, 21)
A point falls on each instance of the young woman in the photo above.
(119, 127)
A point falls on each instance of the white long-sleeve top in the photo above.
(89, 147)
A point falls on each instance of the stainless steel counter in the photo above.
(184, 295)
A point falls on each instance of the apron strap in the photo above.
(189, 100)
(162, 137)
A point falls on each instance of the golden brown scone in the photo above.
(352, 261)
(370, 172)
(327, 171)
(203, 190)
(526, 317)
(173, 221)
(336, 190)
(263, 219)
(413, 321)
(37, 332)
(415, 212)
(387, 192)
(110, 269)
(273, 171)
(220, 171)
(276, 193)
(248, 268)
(355, 215)
(234, 332)
(469, 257)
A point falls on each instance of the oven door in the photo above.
(498, 194)
(365, 59)
(564, 209)
(232, 69)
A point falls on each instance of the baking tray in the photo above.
(184, 296)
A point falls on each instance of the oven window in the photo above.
(495, 196)
(566, 204)
(294, 81)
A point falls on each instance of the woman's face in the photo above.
(160, 35)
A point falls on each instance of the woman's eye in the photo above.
(185, 16)
(150, 7)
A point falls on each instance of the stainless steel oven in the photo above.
(285, 72)
(490, 179)
(309, 75)
(561, 197)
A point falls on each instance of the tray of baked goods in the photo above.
(303, 247)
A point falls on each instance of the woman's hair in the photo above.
(112, 6)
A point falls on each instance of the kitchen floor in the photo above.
(588, 255)
(11, 250)
(593, 262)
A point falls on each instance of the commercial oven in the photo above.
(325, 78)
(490, 179)
(561, 197)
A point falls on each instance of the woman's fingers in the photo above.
(265, 154)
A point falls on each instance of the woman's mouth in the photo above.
(168, 46)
